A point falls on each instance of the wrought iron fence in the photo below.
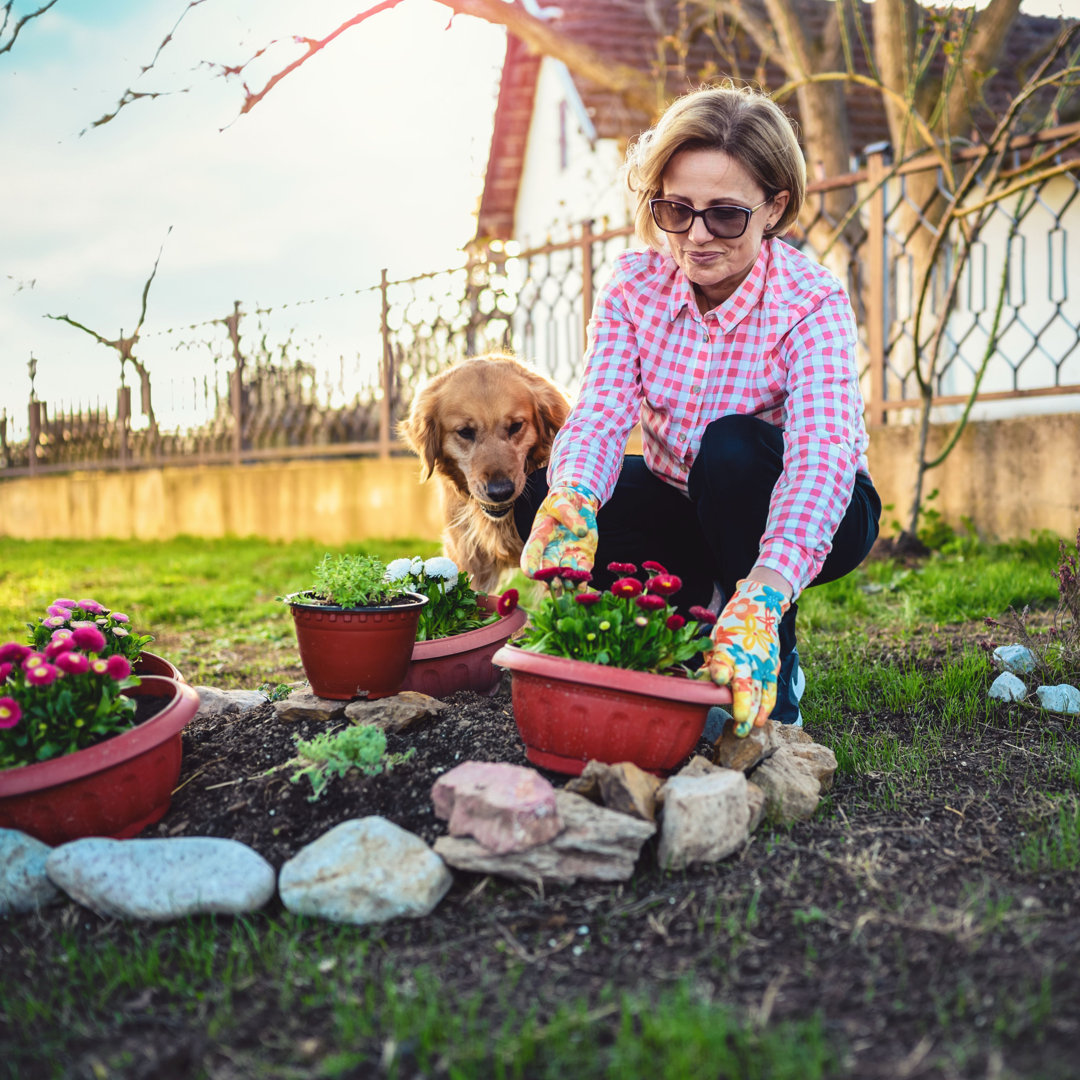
(267, 396)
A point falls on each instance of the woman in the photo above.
(737, 354)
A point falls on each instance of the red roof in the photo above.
(621, 31)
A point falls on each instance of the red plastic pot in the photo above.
(569, 712)
(347, 652)
(116, 788)
(462, 661)
(151, 664)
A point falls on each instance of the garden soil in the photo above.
(901, 914)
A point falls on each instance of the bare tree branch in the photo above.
(13, 30)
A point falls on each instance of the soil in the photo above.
(901, 913)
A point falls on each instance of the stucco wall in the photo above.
(1009, 476)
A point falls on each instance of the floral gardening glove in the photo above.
(745, 653)
(564, 531)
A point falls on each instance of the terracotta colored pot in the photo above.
(569, 712)
(151, 664)
(462, 661)
(115, 788)
(347, 652)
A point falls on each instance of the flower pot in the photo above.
(569, 712)
(462, 661)
(347, 652)
(151, 664)
(115, 788)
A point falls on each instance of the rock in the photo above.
(818, 760)
(587, 785)
(623, 787)
(304, 705)
(503, 807)
(792, 792)
(743, 754)
(696, 766)
(705, 818)
(788, 734)
(24, 885)
(1007, 687)
(213, 700)
(1059, 699)
(596, 844)
(161, 880)
(1015, 658)
(363, 871)
(755, 800)
(396, 713)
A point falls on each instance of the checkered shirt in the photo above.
(782, 348)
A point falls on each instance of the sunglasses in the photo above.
(723, 222)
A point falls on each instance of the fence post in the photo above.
(236, 383)
(586, 280)
(123, 419)
(875, 306)
(386, 369)
(35, 436)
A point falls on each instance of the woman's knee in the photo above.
(737, 451)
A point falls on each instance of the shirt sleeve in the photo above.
(589, 447)
(822, 431)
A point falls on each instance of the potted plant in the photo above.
(354, 628)
(459, 629)
(87, 747)
(603, 675)
(120, 636)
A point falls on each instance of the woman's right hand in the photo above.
(564, 531)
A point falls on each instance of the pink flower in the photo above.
(675, 622)
(702, 615)
(59, 643)
(43, 674)
(650, 602)
(569, 573)
(10, 712)
(60, 611)
(626, 586)
(507, 602)
(99, 665)
(89, 638)
(55, 621)
(5, 670)
(14, 652)
(546, 573)
(623, 568)
(119, 616)
(33, 660)
(653, 567)
(117, 667)
(92, 606)
(119, 631)
(74, 663)
(664, 584)
(63, 601)
(641, 620)
(587, 599)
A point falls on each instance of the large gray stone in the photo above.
(1015, 658)
(160, 880)
(596, 844)
(1007, 687)
(705, 818)
(792, 791)
(24, 885)
(363, 871)
(1062, 698)
(234, 702)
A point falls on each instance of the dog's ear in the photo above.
(552, 409)
(421, 431)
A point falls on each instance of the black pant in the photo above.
(712, 536)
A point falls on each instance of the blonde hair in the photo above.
(742, 122)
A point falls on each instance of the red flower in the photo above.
(60, 643)
(89, 638)
(569, 573)
(664, 584)
(622, 568)
(546, 573)
(74, 663)
(118, 667)
(507, 602)
(587, 598)
(675, 622)
(43, 674)
(702, 615)
(10, 712)
(649, 602)
(14, 652)
(653, 567)
(626, 586)
(5, 670)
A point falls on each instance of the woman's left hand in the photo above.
(745, 653)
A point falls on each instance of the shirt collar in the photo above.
(737, 306)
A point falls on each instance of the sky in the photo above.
(371, 155)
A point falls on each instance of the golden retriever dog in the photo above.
(482, 426)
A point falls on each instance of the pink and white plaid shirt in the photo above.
(781, 348)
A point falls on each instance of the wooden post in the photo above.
(875, 301)
(586, 281)
(123, 420)
(35, 436)
(386, 371)
(236, 384)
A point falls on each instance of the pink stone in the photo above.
(503, 807)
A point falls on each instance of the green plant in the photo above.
(361, 747)
(275, 691)
(452, 608)
(631, 625)
(354, 581)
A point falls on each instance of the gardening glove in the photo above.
(564, 531)
(745, 653)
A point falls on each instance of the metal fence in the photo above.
(267, 396)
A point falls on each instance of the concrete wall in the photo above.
(1009, 476)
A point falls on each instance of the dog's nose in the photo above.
(500, 490)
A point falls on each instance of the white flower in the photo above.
(441, 567)
(398, 569)
(119, 631)
(416, 566)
